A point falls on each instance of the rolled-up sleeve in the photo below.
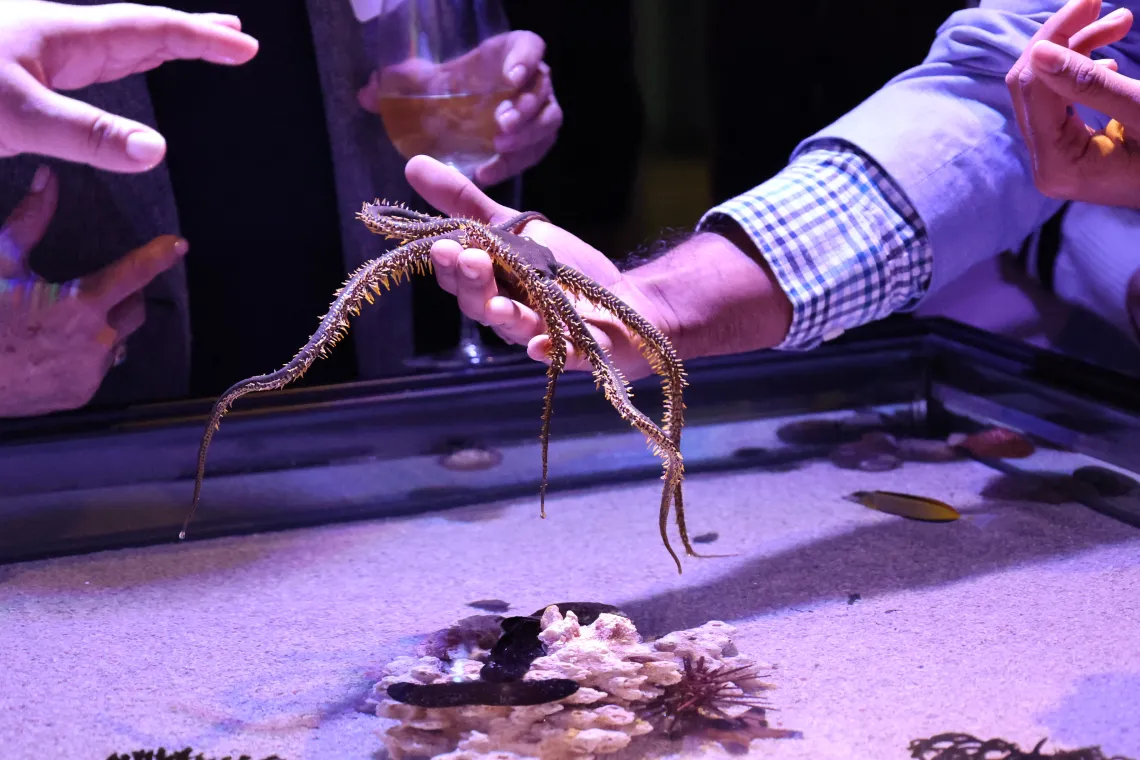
(844, 244)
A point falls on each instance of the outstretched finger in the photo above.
(53, 124)
(26, 225)
(1079, 79)
(133, 272)
(1104, 31)
(1074, 16)
(143, 37)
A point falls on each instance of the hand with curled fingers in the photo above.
(528, 121)
(468, 274)
(58, 342)
(47, 46)
(1071, 160)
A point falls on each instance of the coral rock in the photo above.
(618, 673)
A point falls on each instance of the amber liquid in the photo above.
(455, 129)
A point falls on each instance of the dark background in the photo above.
(670, 106)
(711, 94)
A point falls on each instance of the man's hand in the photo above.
(1070, 160)
(468, 275)
(47, 46)
(59, 342)
(528, 121)
(711, 294)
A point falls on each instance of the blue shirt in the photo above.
(926, 178)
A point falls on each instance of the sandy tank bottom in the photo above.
(1018, 621)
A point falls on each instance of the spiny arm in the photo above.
(662, 358)
(365, 281)
(614, 385)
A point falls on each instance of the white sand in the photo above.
(1021, 621)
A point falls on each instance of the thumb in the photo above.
(1079, 79)
(451, 192)
(26, 225)
(55, 125)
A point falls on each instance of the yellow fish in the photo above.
(905, 505)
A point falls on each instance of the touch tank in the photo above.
(926, 546)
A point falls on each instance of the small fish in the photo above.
(905, 505)
(490, 605)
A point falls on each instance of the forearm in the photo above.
(826, 245)
(715, 294)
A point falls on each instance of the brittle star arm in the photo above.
(663, 360)
(334, 325)
(653, 345)
(614, 385)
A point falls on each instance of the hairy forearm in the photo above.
(714, 294)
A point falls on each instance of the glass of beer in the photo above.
(436, 89)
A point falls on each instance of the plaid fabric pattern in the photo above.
(842, 240)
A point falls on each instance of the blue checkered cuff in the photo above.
(842, 240)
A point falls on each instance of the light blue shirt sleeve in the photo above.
(943, 139)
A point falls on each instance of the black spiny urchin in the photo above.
(700, 699)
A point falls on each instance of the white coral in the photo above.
(616, 671)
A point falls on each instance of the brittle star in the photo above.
(546, 285)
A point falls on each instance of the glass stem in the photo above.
(468, 332)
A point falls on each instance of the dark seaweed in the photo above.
(500, 679)
(852, 598)
(519, 645)
(515, 650)
(490, 605)
(461, 693)
(951, 746)
(706, 538)
(184, 754)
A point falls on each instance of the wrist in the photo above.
(712, 294)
